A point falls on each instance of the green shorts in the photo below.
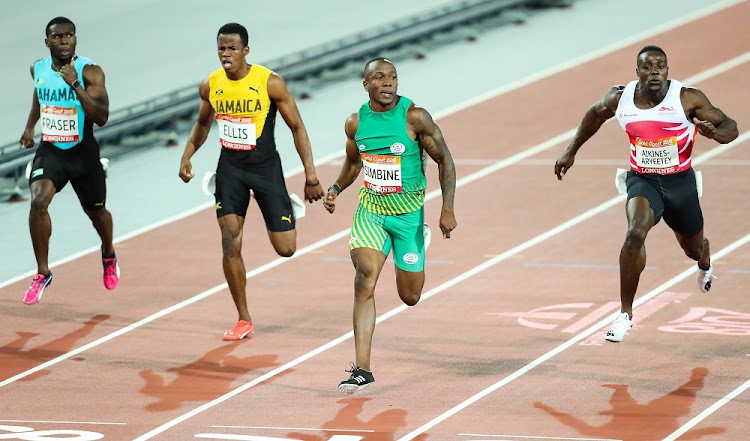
(402, 232)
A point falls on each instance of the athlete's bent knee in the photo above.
(635, 237)
(39, 206)
(285, 250)
(410, 298)
(230, 244)
(364, 284)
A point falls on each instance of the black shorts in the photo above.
(80, 165)
(674, 197)
(233, 185)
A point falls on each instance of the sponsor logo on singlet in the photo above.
(397, 148)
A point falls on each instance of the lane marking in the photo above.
(294, 428)
(538, 437)
(568, 344)
(528, 79)
(445, 285)
(711, 409)
(64, 422)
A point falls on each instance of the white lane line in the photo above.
(294, 428)
(529, 79)
(713, 408)
(568, 344)
(175, 307)
(100, 423)
(537, 437)
(472, 272)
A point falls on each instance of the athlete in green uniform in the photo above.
(387, 138)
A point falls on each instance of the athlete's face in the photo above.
(381, 83)
(652, 70)
(61, 41)
(232, 52)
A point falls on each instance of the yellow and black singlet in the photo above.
(245, 116)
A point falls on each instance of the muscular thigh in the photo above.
(88, 180)
(407, 233)
(646, 186)
(48, 163)
(232, 192)
(269, 189)
(682, 210)
(368, 231)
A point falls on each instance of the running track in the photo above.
(507, 342)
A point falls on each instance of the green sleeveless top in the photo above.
(394, 180)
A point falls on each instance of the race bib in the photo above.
(382, 173)
(657, 156)
(59, 124)
(236, 133)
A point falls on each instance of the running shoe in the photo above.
(241, 330)
(427, 234)
(111, 274)
(38, 283)
(705, 278)
(359, 379)
(620, 326)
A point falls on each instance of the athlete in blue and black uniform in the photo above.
(69, 97)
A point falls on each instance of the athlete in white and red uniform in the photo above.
(661, 117)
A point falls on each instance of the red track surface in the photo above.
(686, 351)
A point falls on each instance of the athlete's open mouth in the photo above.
(226, 63)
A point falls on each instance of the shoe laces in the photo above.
(109, 265)
(38, 281)
(352, 368)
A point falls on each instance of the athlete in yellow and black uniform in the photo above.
(244, 99)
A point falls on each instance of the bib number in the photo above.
(236, 133)
(60, 124)
(657, 157)
(382, 173)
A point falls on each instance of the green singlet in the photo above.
(394, 180)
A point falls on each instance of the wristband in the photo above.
(335, 187)
(307, 184)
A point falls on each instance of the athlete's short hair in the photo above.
(367, 65)
(234, 28)
(651, 48)
(58, 20)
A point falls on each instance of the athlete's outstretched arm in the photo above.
(431, 139)
(284, 100)
(711, 121)
(93, 98)
(27, 138)
(351, 167)
(199, 133)
(595, 116)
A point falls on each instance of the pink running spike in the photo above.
(111, 274)
(38, 283)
